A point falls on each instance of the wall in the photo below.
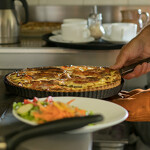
(58, 13)
(57, 10)
(89, 2)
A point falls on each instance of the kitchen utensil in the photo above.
(127, 69)
(9, 24)
(10, 141)
(135, 16)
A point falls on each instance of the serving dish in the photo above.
(58, 38)
(114, 41)
(99, 44)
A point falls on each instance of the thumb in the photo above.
(120, 61)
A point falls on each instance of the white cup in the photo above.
(75, 32)
(123, 31)
(107, 29)
(75, 20)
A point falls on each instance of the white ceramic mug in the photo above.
(75, 20)
(136, 16)
(123, 31)
(75, 32)
(107, 29)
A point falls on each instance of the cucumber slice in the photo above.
(23, 110)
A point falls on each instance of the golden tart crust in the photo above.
(66, 78)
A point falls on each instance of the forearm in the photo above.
(144, 35)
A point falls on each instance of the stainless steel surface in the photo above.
(26, 42)
(113, 138)
(9, 27)
(17, 58)
(59, 142)
(58, 13)
(31, 52)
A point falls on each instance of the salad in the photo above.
(46, 110)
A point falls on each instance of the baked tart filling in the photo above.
(66, 78)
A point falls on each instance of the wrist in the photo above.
(145, 33)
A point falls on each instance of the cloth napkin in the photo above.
(136, 102)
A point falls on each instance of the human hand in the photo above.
(135, 50)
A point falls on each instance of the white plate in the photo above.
(113, 114)
(113, 41)
(58, 38)
(56, 32)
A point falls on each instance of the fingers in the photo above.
(128, 54)
(120, 61)
(144, 68)
(138, 71)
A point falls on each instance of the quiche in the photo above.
(65, 78)
(39, 28)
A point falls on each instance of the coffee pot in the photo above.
(9, 23)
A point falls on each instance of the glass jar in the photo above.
(95, 24)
